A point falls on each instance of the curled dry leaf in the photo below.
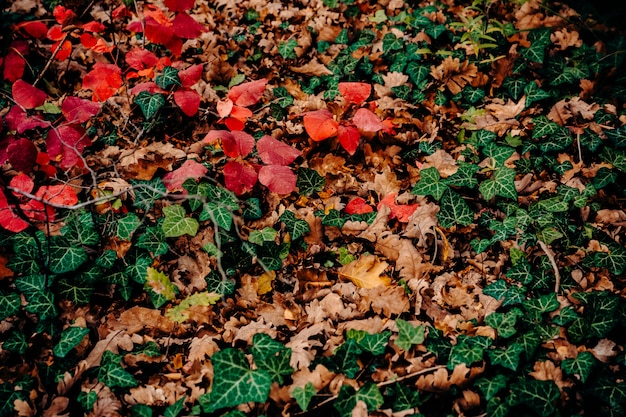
(366, 272)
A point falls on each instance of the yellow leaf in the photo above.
(365, 272)
(160, 283)
(265, 282)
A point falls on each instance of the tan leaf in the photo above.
(442, 379)
(365, 272)
(454, 74)
(443, 161)
(23, 409)
(395, 79)
(202, 347)
(265, 282)
(563, 38)
(312, 68)
(388, 301)
(408, 260)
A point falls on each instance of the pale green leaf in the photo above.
(408, 334)
(176, 224)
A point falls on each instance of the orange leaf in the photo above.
(247, 94)
(355, 93)
(320, 125)
(349, 137)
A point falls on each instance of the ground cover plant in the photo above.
(316, 207)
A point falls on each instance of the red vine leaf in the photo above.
(247, 94)
(275, 152)
(17, 119)
(402, 212)
(355, 93)
(104, 81)
(22, 155)
(179, 5)
(190, 169)
(349, 138)
(139, 58)
(9, 219)
(36, 29)
(66, 144)
(278, 178)
(13, 63)
(320, 125)
(78, 110)
(23, 183)
(186, 27)
(358, 205)
(26, 95)
(58, 194)
(63, 15)
(367, 121)
(188, 100)
(239, 178)
(191, 75)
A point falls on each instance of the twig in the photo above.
(54, 53)
(555, 267)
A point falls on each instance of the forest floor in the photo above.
(311, 207)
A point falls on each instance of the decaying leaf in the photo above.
(366, 272)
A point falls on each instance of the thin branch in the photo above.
(555, 267)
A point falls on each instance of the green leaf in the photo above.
(287, 49)
(126, 226)
(43, 304)
(372, 343)
(346, 401)
(309, 181)
(148, 192)
(176, 224)
(263, 346)
(222, 216)
(508, 357)
(540, 396)
(534, 93)
(345, 359)
(136, 271)
(370, 395)
(174, 410)
(234, 382)
(454, 210)
(87, 399)
(70, 338)
(112, 374)
(267, 234)
(515, 88)
(65, 257)
(408, 334)
(497, 289)
(295, 227)
(542, 304)
(277, 366)
(303, 395)
(430, 184)
(544, 127)
(491, 386)
(392, 43)
(77, 293)
(558, 141)
(167, 79)
(499, 154)
(30, 284)
(417, 72)
(180, 313)
(610, 391)
(149, 104)
(152, 239)
(464, 176)
(16, 343)
(332, 218)
(465, 352)
(80, 228)
(405, 398)
(581, 365)
(614, 260)
(504, 323)
(26, 258)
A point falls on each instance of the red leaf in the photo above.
(139, 58)
(278, 179)
(63, 15)
(22, 155)
(17, 119)
(215, 135)
(275, 152)
(36, 29)
(367, 121)
(78, 110)
(10, 220)
(150, 86)
(355, 93)
(234, 124)
(240, 113)
(249, 93)
(349, 137)
(104, 80)
(58, 194)
(66, 144)
(64, 51)
(120, 12)
(95, 44)
(27, 96)
(402, 212)
(358, 206)
(157, 32)
(186, 27)
(320, 125)
(239, 178)
(191, 75)
(190, 169)
(93, 26)
(179, 5)
(238, 143)
(55, 33)
(224, 107)
(13, 63)
(23, 183)
(188, 100)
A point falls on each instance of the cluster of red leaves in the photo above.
(321, 124)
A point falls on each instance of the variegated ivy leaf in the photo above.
(10, 304)
(70, 338)
(454, 210)
(64, 256)
(176, 223)
(294, 226)
(126, 226)
(544, 127)
(408, 334)
(267, 234)
(504, 323)
(508, 356)
(149, 104)
(303, 395)
(581, 365)
(430, 184)
(168, 78)
(534, 93)
(540, 396)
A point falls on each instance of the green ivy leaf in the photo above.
(417, 72)
(346, 401)
(370, 395)
(332, 218)
(152, 239)
(16, 343)
(167, 79)
(112, 374)
(176, 224)
(392, 43)
(454, 210)
(534, 93)
(540, 396)
(345, 359)
(405, 398)
(499, 154)
(287, 49)
(70, 338)
(430, 184)
(294, 226)
(535, 307)
(149, 104)
(174, 410)
(80, 228)
(42, 303)
(309, 181)
(464, 176)
(148, 192)
(515, 88)
(77, 293)
(222, 216)
(277, 366)
(581, 365)
(30, 284)
(303, 395)
(65, 257)
(614, 260)
(508, 357)
(267, 234)
(408, 334)
(491, 386)
(234, 382)
(543, 127)
(87, 399)
(504, 323)
(126, 226)
(372, 343)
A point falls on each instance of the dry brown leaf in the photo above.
(301, 345)
(202, 347)
(312, 68)
(389, 301)
(442, 379)
(604, 350)
(454, 74)
(23, 408)
(563, 39)
(443, 161)
(366, 272)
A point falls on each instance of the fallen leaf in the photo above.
(365, 272)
